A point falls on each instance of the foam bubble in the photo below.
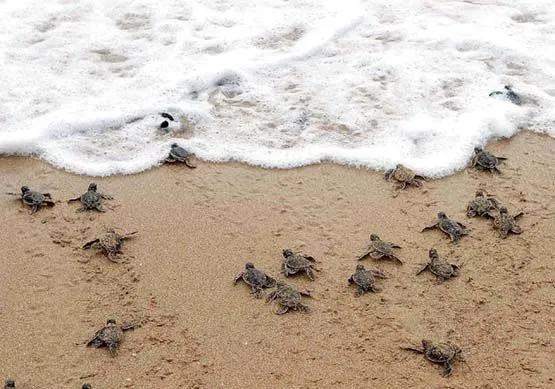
(282, 84)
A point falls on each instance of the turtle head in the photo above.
(25, 189)
(360, 267)
(86, 386)
(442, 215)
(374, 237)
(9, 384)
(503, 210)
(433, 253)
(480, 193)
(478, 150)
(92, 187)
(110, 321)
(398, 166)
(287, 252)
(174, 145)
(249, 265)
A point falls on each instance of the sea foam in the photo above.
(271, 83)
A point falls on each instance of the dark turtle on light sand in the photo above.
(454, 229)
(287, 297)
(110, 243)
(365, 279)
(404, 176)
(110, 336)
(481, 205)
(91, 199)
(294, 263)
(380, 249)
(485, 160)
(86, 386)
(179, 154)
(9, 384)
(442, 270)
(506, 223)
(34, 199)
(508, 94)
(441, 353)
(257, 279)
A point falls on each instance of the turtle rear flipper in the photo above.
(270, 282)
(113, 347)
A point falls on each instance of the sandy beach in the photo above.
(198, 227)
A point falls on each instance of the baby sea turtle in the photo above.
(294, 263)
(287, 297)
(454, 229)
(91, 199)
(485, 160)
(442, 270)
(481, 205)
(86, 386)
(442, 353)
(110, 243)
(404, 176)
(365, 279)
(179, 154)
(110, 336)
(34, 199)
(380, 249)
(506, 223)
(257, 279)
(508, 94)
(9, 384)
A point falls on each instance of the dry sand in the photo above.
(197, 228)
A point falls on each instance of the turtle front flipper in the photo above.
(106, 197)
(257, 291)
(74, 199)
(388, 174)
(448, 369)
(396, 258)
(113, 347)
(365, 254)
(395, 246)
(518, 215)
(423, 268)
(238, 277)
(431, 226)
(501, 158)
(376, 254)
(35, 208)
(309, 273)
(495, 170)
(88, 245)
(410, 347)
(95, 342)
(271, 296)
(284, 309)
(270, 282)
(49, 203)
(189, 164)
(516, 229)
(47, 195)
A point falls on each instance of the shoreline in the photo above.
(198, 227)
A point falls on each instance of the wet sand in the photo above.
(197, 228)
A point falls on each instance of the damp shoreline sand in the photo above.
(197, 228)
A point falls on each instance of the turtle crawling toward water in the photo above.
(454, 229)
(86, 386)
(442, 270)
(110, 243)
(110, 336)
(294, 263)
(9, 384)
(404, 176)
(380, 249)
(365, 280)
(91, 199)
(508, 94)
(257, 279)
(179, 154)
(485, 160)
(441, 353)
(482, 205)
(287, 297)
(34, 199)
(506, 223)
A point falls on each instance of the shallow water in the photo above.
(279, 84)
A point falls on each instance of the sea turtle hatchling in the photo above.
(86, 386)
(34, 199)
(441, 353)
(110, 243)
(506, 223)
(454, 229)
(257, 279)
(287, 297)
(485, 160)
(404, 176)
(365, 279)
(91, 199)
(179, 154)
(9, 384)
(294, 263)
(380, 249)
(442, 270)
(110, 336)
(481, 205)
